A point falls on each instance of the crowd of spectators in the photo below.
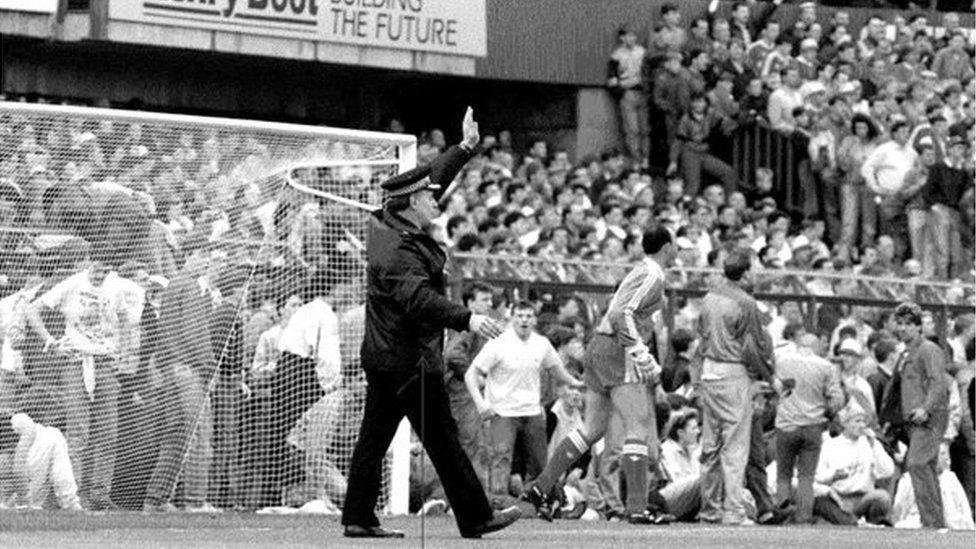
(860, 477)
(157, 288)
(880, 119)
(103, 222)
(157, 393)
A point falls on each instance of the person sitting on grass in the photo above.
(850, 467)
(40, 463)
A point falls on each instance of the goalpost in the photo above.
(275, 206)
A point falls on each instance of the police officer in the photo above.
(406, 314)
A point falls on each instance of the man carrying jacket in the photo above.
(406, 314)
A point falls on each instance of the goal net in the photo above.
(182, 309)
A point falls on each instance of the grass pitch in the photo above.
(26, 529)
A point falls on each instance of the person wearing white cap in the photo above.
(807, 61)
(852, 94)
(814, 94)
(850, 352)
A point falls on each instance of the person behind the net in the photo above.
(41, 465)
(308, 369)
(93, 307)
(406, 314)
(617, 367)
(185, 364)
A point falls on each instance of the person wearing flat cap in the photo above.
(406, 315)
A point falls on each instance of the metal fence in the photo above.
(756, 145)
(595, 281)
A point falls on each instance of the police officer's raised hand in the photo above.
(484, 326)
(469, 129)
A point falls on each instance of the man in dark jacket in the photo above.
(406, 314)
(186, 363)
(924, 405)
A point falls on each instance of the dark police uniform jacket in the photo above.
(406, 307)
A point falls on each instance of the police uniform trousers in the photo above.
(423, 400)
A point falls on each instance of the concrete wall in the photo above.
(189, 81)
(597, 123)
(551, 41)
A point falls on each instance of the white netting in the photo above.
(161, 382)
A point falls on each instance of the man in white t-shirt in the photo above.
(511, 367)
(95, 306)
(849, 470)
(784, 100)
(885, 172)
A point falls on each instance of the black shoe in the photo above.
(353, 531)
(774, 517)
(501, 519)
(540, 501)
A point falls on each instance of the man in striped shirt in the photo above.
(618, 369)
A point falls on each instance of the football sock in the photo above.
(633, 465)
(569, 450)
